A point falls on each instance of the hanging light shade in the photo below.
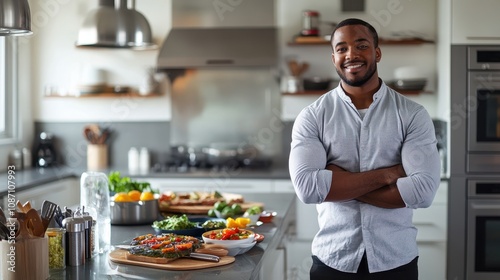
(115, 27)
(15, 18)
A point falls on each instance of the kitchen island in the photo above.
(246, 266)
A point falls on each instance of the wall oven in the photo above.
(473, 247)
(483, 229)
(483, 97)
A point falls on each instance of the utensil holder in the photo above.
(25, 259)
(97, 157)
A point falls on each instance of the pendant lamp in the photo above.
(111, 26)
(15, 18)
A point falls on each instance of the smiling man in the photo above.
(367, 157)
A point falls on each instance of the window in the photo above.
(8, 90)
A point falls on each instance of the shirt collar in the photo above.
(377, 95)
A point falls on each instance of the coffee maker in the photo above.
(45, 154)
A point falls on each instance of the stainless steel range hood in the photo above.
(207, 33)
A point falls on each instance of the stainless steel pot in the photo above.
(134, 213)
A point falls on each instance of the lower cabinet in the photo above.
(64, 192)
(299, 261)
(274, 266)
(431, 237)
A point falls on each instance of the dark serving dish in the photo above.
(196, 231)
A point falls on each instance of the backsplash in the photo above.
(71, 145)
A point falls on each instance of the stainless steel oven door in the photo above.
(483, 230)
(483, 121)
(484, 111)
(484, 58)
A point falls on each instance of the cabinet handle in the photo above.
(483, 38)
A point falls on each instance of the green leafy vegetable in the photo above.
(125, 184)
(213, 224)
(175, 223)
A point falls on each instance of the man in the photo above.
(367, 156)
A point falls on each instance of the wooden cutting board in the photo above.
(203, 209)
(120, 256)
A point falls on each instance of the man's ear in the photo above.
(333, 59)
(378, 54)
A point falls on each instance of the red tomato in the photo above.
(184, 246)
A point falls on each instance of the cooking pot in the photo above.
(222, 154)
(134, 212)
(230, 154)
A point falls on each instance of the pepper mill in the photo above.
(89, 248)
(75, 240)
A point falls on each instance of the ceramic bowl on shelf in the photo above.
(410, 84)
(317, 83)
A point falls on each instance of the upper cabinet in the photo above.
(475, 22)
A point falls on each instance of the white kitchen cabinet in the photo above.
(274, 266)
(306, 216)
(431, 238)
(475, 22)
(64, 192)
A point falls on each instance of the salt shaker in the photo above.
(75, 237)
(94, 195)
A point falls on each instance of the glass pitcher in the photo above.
(94, 195)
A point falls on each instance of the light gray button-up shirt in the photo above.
(394, 130)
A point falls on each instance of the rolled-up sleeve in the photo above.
(421, 162)
(308, 160)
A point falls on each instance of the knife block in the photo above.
(97, 157)
(26, 259)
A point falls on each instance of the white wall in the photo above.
(58, 63)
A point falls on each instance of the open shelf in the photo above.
(106, 95)
(320, 92)
(319, 41)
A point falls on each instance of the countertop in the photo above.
(246, 266)
(29, 178)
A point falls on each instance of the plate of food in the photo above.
(183, 225)
(200, 202)
(235, 240)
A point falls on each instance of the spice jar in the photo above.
(57, 248)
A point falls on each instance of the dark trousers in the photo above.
(320, 271)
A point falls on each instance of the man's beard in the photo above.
(357, 82)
